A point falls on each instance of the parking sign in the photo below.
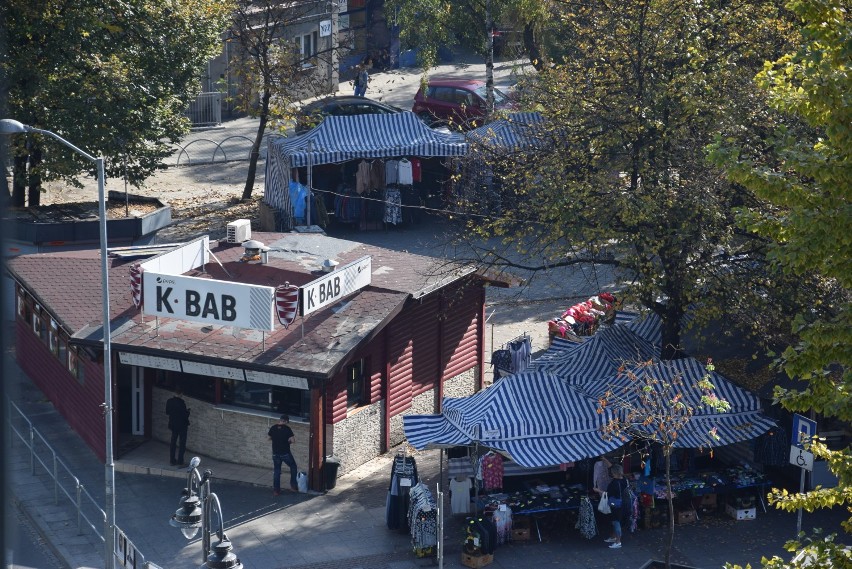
(803, 430)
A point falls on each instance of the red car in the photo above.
(456, 102)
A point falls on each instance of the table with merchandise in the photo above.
(538, 499)
(727, 481)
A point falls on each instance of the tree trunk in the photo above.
(670, 540)
(671, 329)
(34, 186)
(489, 60)
(533, 48)
(255, 148)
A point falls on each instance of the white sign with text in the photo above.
(337, 284)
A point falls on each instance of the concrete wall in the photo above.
(463, 384)
(358, 438)
(227, 435)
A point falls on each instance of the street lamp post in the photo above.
(10, 126)
(197, 505)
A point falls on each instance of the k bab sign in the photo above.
(209, 301)
(335, 285)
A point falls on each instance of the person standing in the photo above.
(616, 491)
(362, 80)
(282, 437)
(179, 425)
(600, 475)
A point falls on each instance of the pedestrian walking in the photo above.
(362, 79)
(282, 437)
(179, 425)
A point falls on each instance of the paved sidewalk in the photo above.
(344, 528)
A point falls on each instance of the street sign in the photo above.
(801, 458)
(804, 430)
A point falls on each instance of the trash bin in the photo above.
(332, 464)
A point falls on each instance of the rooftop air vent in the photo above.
(255, 251)
(329, 265)
(239, 231)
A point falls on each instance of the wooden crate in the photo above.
(686, 517)
(475, 561)
(521, 529)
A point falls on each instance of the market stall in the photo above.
(365, 144)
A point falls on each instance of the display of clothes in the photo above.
(491, 470)
(422, 520)
(521, 352)
(501, 517)
(586, 519)
(404, 173)
(393, 206)
(460, 487)
(480, 536)
(362, 177)
(403, 477)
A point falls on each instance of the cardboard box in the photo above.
(686, 517)
(741, 514)
(476, 561)
(708, 501)
(521, 529)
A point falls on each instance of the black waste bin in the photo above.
(332, 464)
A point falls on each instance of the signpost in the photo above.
(804, 430)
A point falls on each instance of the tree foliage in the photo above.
(618, 173)
(114, 78)
(805, 178)
(271, 73)
(649, 407)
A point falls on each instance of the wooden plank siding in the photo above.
(79, 404)
(461, 346)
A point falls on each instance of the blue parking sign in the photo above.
(803, 430)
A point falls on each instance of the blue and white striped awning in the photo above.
(344, 138)
(599, 357)
(516, 131)
(532, 417)
(744, 421)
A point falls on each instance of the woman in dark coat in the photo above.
(615, 490)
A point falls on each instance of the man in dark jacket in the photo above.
(178, 425)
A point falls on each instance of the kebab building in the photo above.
(345, 338)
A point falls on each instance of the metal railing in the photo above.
(65, 484)
(206, 110)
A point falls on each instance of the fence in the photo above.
(42, 457)
(206, 110)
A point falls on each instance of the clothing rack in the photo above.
(503, 360)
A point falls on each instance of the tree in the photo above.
(112, 77)
(648, 407)
(805, 178)
(272, 72)
(618, 173)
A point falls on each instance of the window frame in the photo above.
(307, 56)
(358, 387)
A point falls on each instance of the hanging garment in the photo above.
(403, 477)
(404, 173)
(460, 495)
(502, 360)
(586, 519)
(492, 471)
(502, 520)
(772, 448)
(377, 175)
(393, 207)
(362, 177)
(391, 173)
(521, 352)
(422, 520)
(416, 170)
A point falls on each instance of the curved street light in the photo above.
(197, 504)
(11, 126)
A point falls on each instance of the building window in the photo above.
(21, 303)
(62, 349)
(264, 397)
(75, 366)
(53, 337)
(357, 386)
(306, 48)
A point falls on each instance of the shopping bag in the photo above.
(302, 482)
(603, 506)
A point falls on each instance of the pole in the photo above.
(205, 517)
(109, 465)
(310, 179)
(799, 515)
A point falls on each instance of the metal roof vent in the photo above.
(256, 252)
(329, 265)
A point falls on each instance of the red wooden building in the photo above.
(345, 373)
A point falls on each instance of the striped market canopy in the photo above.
(517, 131)
(534, 418)
(744, 421)
(344, 138)
(598, 358)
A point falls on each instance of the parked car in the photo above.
(456, 102)
(313, 113)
